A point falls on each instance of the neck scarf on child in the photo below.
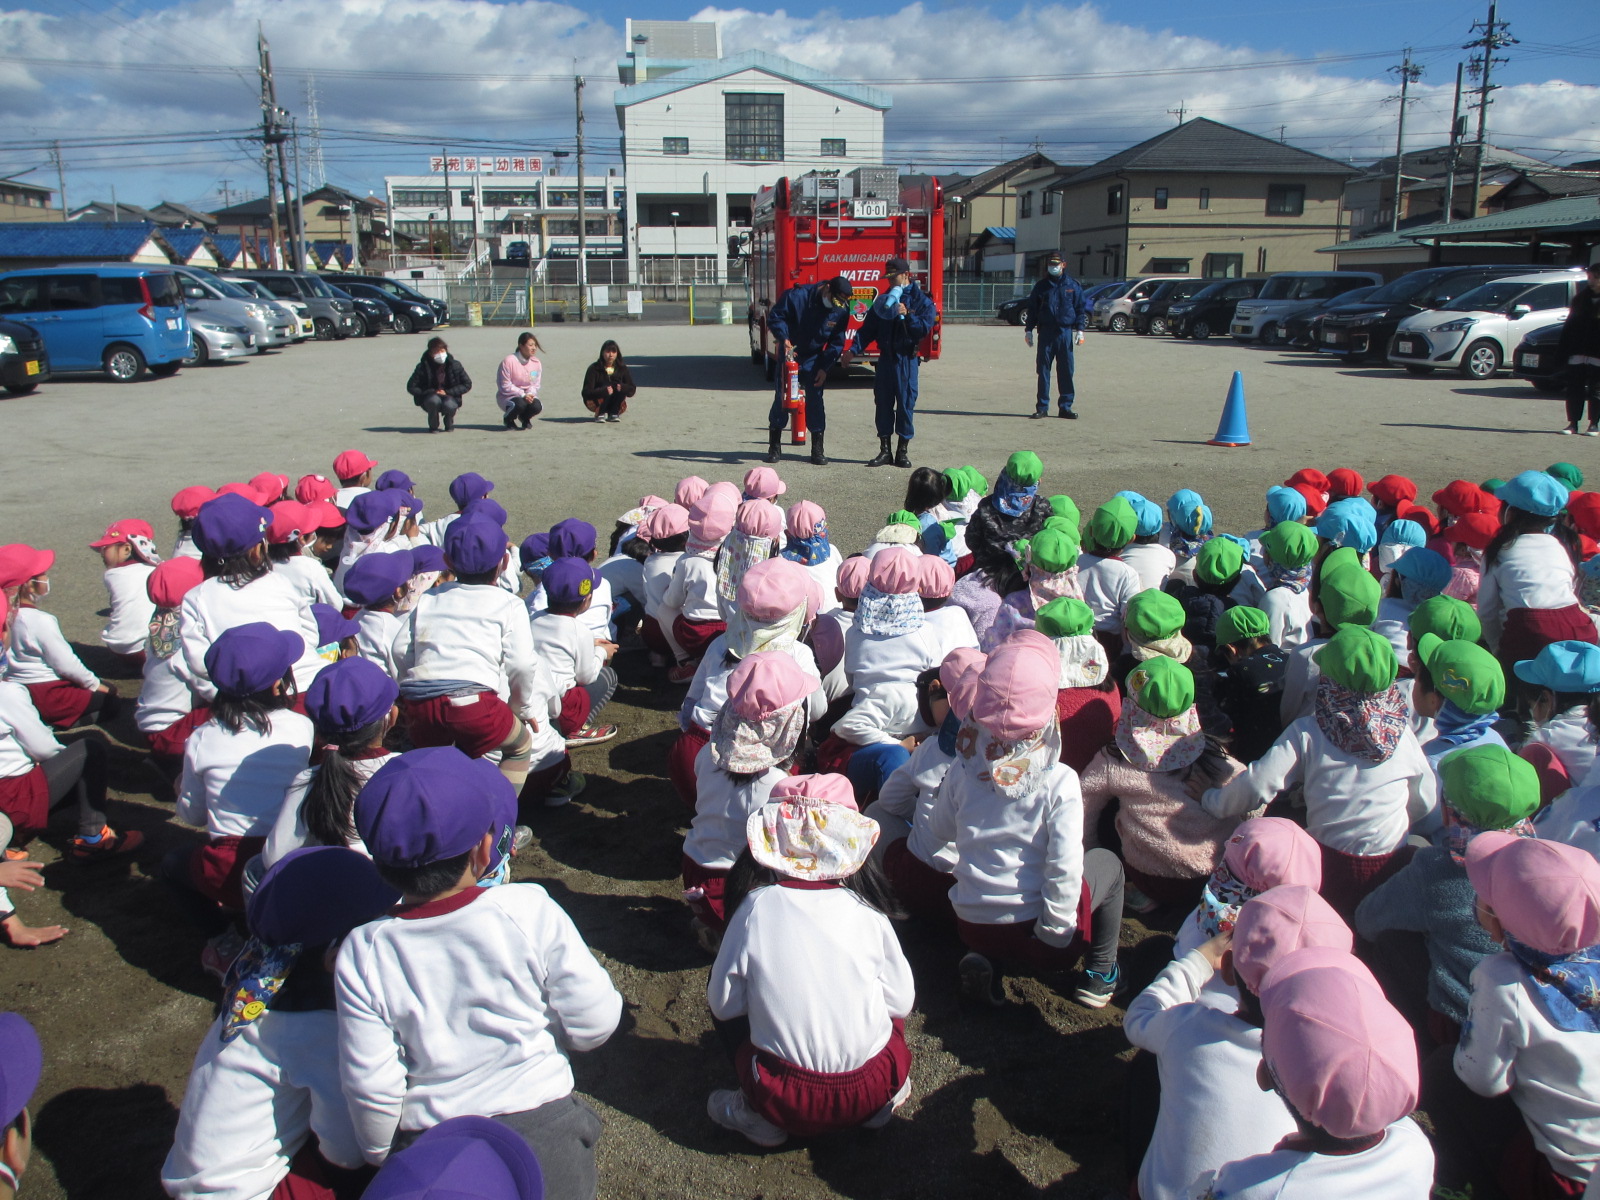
(163, 639)
(253, 982)
(144, 549)
(1152, 743)
(1368, 725)
(743, 747)
(1044, 587)
(1457, 728)
(1458, 832)
(1566, 986)
(947, 734)
(886, 614)
(1296, 579)
(1184, 546)
(740, 552)
(1415, 591)
(1082, 662)
(1013, 498)
(746, 636)
(1015, 769)
(809, 551)
(1221, 899)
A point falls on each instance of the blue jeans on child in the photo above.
(870, 767)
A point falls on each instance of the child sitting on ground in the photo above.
(128, 550)
(578, 662)
(66, 693)
(689, 605)
(1247, 681)
(378, 583)
(1087, 700)
(1561, 692)
(167, 711)
(294, 531)
(667, 532)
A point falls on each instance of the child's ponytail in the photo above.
(328, 809)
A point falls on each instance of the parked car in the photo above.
(1362, 330)
(225, 304)
(24, 365)
(375, 315)
(518, 254)
(1150, 316)
(1210, 310)
(119, 319)
(299, 314)
(333, 319)
(401, 290)
(1013, 311)
(1290, 292)
(1476, 332)
(1536, 360)
(1113, 310)
(212, 340)
(406, 316)
(1303, 330)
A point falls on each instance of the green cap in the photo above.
(1447, 618)
(1162, 686)
(1053, 550)
(1566, 474)
(1219, 560)
(904, 517)
(1349, 596)
(1113, 524)
(977, 480)
(1024, 468)
(1290, 543)
(959, 484)
(1464, 673)
(1065, 616)
(1153, 615)
(1070, 528)
(1359, 659)
(1490, 786)
(1241, 622)
(1063, 507)
(1493, 484)
(1343, 556)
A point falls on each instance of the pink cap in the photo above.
(667, 521)
(1016, 694)
(816, 789)
(1344, 1057)
(20, 562)
(1271, 852)
(652, 502)
(1546, 894)
(763, 483)
(171, 581)
(1278, 922)
(352, 463)
(760, 519)
(959, 674)
(894, 571)
(767, 681)
(711, 518)
(936, 578)
(121, 533)
(772, 589)
(804, 517)
(186, 504)
(689, 490)
(326, 514)
(852, 576)
(270, 485)
(315, 487)
(290, 519)
(245, 490)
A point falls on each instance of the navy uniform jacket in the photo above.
(803, 316)
(900, 337)
(1055, 305)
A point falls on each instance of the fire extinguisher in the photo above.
(795, 401)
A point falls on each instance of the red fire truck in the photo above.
(824, 224)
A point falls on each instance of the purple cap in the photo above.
(571, 538)
(464, 1158)
(466, 488)
(412, 503)
(349, 695)
(427, 558)
(230, 525)
(332, 625)
(373, 577)
(369, 510)
(251, 658)
(432, 804)
(393, 480)
(316, 895)
(485, 507)
(21, 1062)
(474, 545)
(534, 547)
(568, 580)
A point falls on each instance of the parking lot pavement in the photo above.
(82, 452)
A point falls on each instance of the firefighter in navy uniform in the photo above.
(812, 324)
(898, 321)
(1056, 309)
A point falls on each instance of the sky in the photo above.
(155, 99)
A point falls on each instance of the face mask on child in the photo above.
(440, 357)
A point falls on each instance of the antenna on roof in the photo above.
(319, 171)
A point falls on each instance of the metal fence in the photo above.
(523, 302)
(977, 300)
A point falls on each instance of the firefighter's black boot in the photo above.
(901, 457)
(818, 458)
(774, 436)
(884, 458)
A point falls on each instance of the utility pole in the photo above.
(449, 206)
(1180, 112)
(1407, 71)
(61, 176)
(1494, 37)
(300, 215)
(269, 113)
(583, 232)
(1456, 130)
(225, 192)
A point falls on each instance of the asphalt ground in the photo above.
(1022, 1102)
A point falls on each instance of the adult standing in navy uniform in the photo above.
(897, 321)
(1057, 312)
(811, 322)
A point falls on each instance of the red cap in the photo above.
(1316, 498)
(1461, 496)
(1475, 529)
(1344, 483)
(290, 519)
(326, 514)
(315, 487)
(1584, 508)
(246, 490)
(1392, 489)
(352, 463)
(1407, 511)
(1312, 478)
(20, 562)
(122, 533)
(171, 581)
(186, 504)
(270, 486)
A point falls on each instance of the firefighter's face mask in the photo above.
(1055, 270)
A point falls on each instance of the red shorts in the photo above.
(575, 707)
(833, 754)
(1015, 945)
(1553, 777)
(170, 742)
(680, 763)
(922, 890)
(695, 636)
(804, 1102)
(713, 882)
(25, 799)
(1529, 630)
(60, 704)
(312, 1177)
(650, 631)
(217, 869)
(474, 724)
(1348, 878)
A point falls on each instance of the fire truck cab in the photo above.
(824, 224)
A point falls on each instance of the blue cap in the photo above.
(1345, 523)
(1188, 513)
(230, 525)
(316, 895)
(432, 804)
(1146, 514)
(350, 695)
(485, 507)
(464, 1158)
(568, 580)
(1285, 504)
(332, 625)
(1427, 567)
(571, 539)
(427, 558)
(1404, 533)
(250, 658)
(395, 480)
(21, 1064)
(535, 547)
(1242, 543)
(369, 510)
(1572, 667)
(1531, 491)
(467, 487)
(373, 578)
(474, 545)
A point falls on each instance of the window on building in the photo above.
(1161, 197)
(1286, 199)
(1223, 266)
(1169, 266)
(419, 197)
(1205, 197)
(1261, 260)
(511, 198)
(466, 197)
(754, 126)
(833, 148)
(674, 145)
(565, 198)
(1114, 200)
(1047, 202)
(1025, 204)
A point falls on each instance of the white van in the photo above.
(1114, 310)
(1291, 292)
(1476, 332)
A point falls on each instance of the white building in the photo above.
(702, 133)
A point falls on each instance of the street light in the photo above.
(674, 217)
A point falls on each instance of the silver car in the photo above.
(212, 340)
(296, 311)
(227, 305)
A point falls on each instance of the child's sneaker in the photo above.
(592, 735)
(15, 854)
(731, 1110)
(1096, 989)
(521, 839)
(980, 982)
(108, 843)
(1593, 430)
(220, 952)
(882, 1117)
(567, 791)
(658, 659)
(1133, 900)
(683, 673)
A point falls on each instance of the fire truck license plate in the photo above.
(872, 210)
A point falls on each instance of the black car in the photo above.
(1210, 310)
(1303, 331)
(24, 365)
(518, 254)
(1150, 315)
(1363, 330)
(399, 290)
(406, 316)
(376, 315)
(1012, 311)
(1535, 359)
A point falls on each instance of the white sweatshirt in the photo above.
(311, 578)
(41, 654)
(131, 607)
(721, 808)
(836, 682)
(818, 971)
(1572, 817)
(1394, 622)
(211, 607)
(1534, 571)
(1016, 860)
(1212, 1110)
(289, 830)
(826, 575)
(911, 793)
(1353, 805)
(25, 740)
(883, 672)
(376, 631)
(1289, 617)
(342, 498)
(693, 590)
(479, 634)
(1108, 584)
(1151, 561)
(1398, 1168)
(596, 618)
(184, 547)
(708, 691)
(566, 648)
(166, 697)
(1216, 992)
(463, 1007)
(1571, 739)
(624, 576)
(233, 783)
(953, 627)
(658, 571)
(1300, 678)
